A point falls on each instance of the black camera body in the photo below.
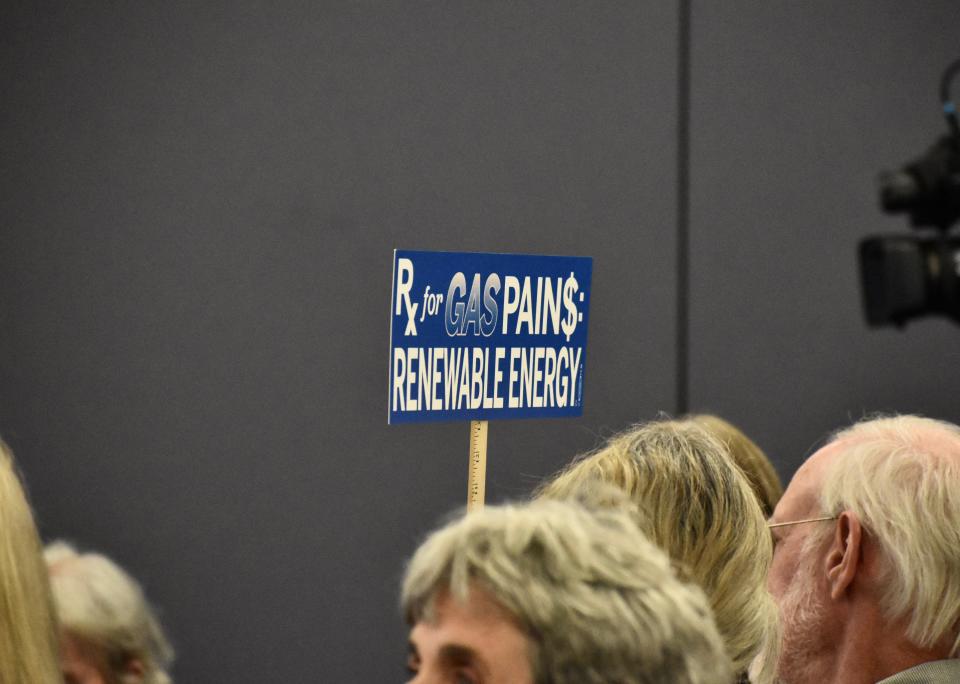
(928, 188)
(909, 276)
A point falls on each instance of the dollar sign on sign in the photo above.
(569, 323)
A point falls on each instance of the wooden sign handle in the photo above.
(477, 478)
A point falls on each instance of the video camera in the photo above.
(908, 276)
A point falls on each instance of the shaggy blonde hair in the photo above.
(701, 511)
(29, 649)
(753, 462)
(901, 476)
(103, 606)
(598, 602)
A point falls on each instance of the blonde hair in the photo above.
(901, 476)
(597, 600)
(104, 607)
(702, 512)
(753, 462)
(28, 634)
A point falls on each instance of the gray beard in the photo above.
(802, 614)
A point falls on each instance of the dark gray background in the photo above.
(198, 204)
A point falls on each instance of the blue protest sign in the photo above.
(477, 336)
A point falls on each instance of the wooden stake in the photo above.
(477, 478)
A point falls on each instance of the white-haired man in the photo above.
(866, 565)
(550, 593)
(109, 634)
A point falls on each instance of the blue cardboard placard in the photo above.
(477, 336)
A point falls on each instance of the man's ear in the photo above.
(845, 555)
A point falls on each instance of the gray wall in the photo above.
(198, 205)
(796, 106)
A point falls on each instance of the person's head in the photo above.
(109, 633)
(872, 546)
(753, 462)
(702, 512)
(551, 593)
(28, 636)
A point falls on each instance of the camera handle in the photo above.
(949, 108)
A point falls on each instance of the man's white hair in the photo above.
(597, 600)
(102, 605)
(901, 476)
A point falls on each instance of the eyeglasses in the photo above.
(773, 537)
(797, 522)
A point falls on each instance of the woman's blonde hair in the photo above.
(753, 462)
(29, 647)
(701, 510)
(103, 606)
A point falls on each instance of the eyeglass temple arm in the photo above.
(797, 522)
